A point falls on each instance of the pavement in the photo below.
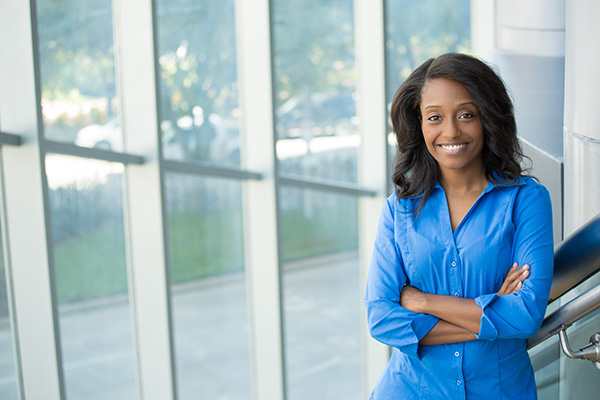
(322, 304)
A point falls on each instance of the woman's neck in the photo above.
(463, 182)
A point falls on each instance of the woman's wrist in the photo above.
(423, 302)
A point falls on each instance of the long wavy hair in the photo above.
(416, 171)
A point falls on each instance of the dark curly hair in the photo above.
(416, 171)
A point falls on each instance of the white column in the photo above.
(483, 27)
(581, 170)
(581, 130)
(24, 203)
(260, 198)
(535, 28)
(144, 208)
(530, 50)
(372, 169)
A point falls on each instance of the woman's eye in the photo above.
(434, 118)
(466, 116)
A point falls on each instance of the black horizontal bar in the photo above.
(200, 168)
(576, 258)
(85, 152)
(324, 185)
(10, 139)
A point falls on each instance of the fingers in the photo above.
(514, 279)
(507, 281)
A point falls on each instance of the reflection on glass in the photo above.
(199, 111)
(90, 277)
(77, 65)
(321, 295)
(208, 287)
(315, 94)
(8, 373)
(416, 31)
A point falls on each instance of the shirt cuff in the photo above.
(487, 330)
(420, 325)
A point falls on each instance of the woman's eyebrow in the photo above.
(460, 105)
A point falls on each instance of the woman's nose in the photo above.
(450, 128)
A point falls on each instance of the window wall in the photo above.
(416, 32)
(9, 378)
(191, 192)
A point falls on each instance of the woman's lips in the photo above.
(453, 148)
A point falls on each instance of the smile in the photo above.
(452, 146)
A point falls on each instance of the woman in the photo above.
(462, 266)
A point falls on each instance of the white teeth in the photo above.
(452, 146)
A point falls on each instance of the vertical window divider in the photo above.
(372, 171)
(25, 203)
(260, 198)
(145, 210)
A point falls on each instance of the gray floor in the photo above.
(321, 301)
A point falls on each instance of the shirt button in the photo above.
(455, 294)
(458, 383)
(456, 354)
(454, 263)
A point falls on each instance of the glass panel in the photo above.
(199, 112)
(416, 31)
(8, 373)
(77, 64)
(208, 287)
(579, 378)
(315, 88)
(321, 295)
(90, 278)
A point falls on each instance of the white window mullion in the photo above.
(144, 209)
(24, 203)
(260, 204)
(372, 171)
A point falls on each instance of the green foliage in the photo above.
(418, 30)
(91, 265)
(197, 52)
(76, 48)
(313, 43)
(204, 245)
(330, 229)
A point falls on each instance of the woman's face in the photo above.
(451, 126)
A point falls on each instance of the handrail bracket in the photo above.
(590, 352)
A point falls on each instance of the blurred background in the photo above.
(191, 187)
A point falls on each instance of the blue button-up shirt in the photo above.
(507, 224)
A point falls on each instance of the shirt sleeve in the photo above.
(519, 315)
(388, 322)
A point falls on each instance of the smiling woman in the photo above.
(451, 126)
(462, 265)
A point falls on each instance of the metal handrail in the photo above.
(575, 259)
(566, 315)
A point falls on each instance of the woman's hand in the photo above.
(514, 279)
(411, 298)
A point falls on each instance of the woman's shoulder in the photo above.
(528, 184)
(523, 184)
(396, 203)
